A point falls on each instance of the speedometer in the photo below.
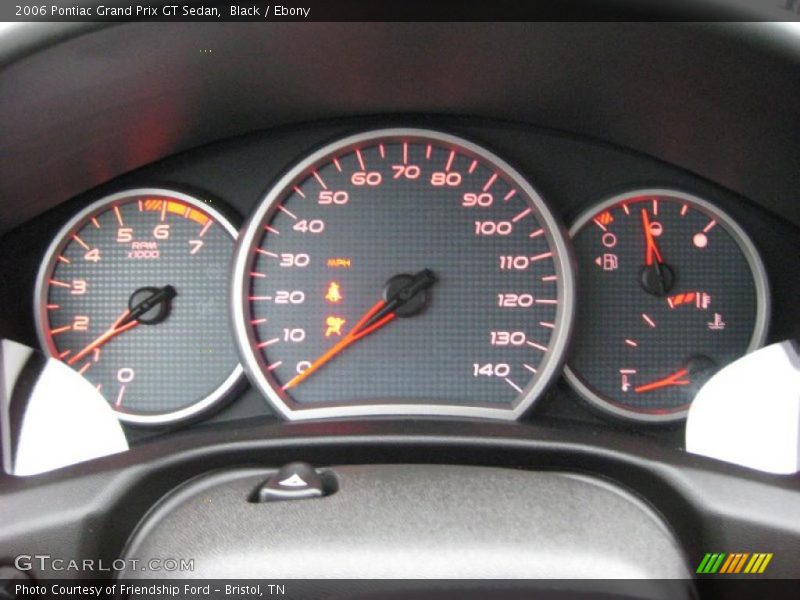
(402, 271)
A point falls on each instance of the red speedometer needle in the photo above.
(652, 249)
(376, 317)
(677, 378)
(110, 333)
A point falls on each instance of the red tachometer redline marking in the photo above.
(450, 160)
(319, 179)
(119, 216)
(522, 215)
(489, 183)
(286, 211)
(676, 378)
(83, 244)
(360, 160)
(208, 224)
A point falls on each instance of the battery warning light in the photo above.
(334, 293)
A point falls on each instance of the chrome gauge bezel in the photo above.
(754, 261)
(549, 369)
(196, 409)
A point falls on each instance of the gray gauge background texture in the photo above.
(182, 365)
(610, 304)
(421, 364)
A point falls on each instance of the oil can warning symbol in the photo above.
(607, 262)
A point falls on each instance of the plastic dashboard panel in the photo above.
(442, 522)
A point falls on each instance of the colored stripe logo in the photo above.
(734, 562)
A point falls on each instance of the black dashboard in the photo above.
(614, 219)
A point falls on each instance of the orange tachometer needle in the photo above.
(106, 336)
(356, 333)
(677, 378)
(152, 299)
(375, 318)
(652, 249)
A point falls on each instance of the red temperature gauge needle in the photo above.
(375, 318)
(652, 249)
(112, 332)
(677, 378)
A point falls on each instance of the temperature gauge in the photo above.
(671, 290)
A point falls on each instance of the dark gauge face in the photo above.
(133, 295)
(671, 290)
(400, 272)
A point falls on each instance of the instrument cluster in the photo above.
(401, 271)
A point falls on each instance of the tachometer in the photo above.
(133, 295)
(671, 291)
(402, 271)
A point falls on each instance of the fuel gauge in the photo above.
(671, 289)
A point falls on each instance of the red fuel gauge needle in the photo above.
(677, 378)
(652, 249)
(376, 317)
